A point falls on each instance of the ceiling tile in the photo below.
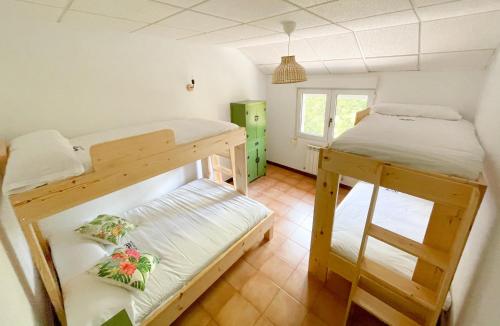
(17, 10)
(194, 21)
(403, 63)
(53, 3)
(398, 40)
(340, 46)
(381, 21)
(299, 48)
(264, 54)
(245, 10)
(318, 31)
(343, 10)
(231, 34)
(314, 68)
(267, 69)
(77, 19)
(457, 8)
(268, 39)
(475, 32)
(423, 3)
(346, 66)
(456, 60)
(138, 10)
(167, 32)
(302, 18)
(308, 3)
(181, 3)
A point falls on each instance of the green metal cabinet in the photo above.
(252, 116)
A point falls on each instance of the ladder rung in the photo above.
(224, 170)
(427, 253)
(399, 284)
(381, 310)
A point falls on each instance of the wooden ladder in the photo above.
(388, 295)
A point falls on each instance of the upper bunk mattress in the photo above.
(434, 145)
(185, 131)
(187, 228)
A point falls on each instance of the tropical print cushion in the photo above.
(107, 229)
(127, 267)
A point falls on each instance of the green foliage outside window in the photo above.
(313, 114)
(347, 106)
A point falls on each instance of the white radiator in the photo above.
(312, 156)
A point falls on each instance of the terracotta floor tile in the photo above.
(313, 320)
(303, 287)
(295, 216)
(306, 208)
(263, 321)
(291, 252)
(329, 308)
(305, 185)
(287, 199)
(216, 297)
(285, 227)
(277, 270)
(302, 236)
(239, 274)
(297, 193)
(307, 223)
(258, 256)
(278, 207)
(237, 312)
(338, 286)
(195, 315)
(282, 186)
(285, 310)
(259, 291)
(212, 323)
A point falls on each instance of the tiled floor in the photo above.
(270, 284)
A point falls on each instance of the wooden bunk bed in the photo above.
(124, 162)
(391, 297)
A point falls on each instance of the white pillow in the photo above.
(39, 158)
(417, 110)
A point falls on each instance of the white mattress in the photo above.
(185, 130)
(395, 211)
(187, 228)
(435, 145)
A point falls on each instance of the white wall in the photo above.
(476, 287)
(459, 89)
(80, 80)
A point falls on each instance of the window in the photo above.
(325, 114)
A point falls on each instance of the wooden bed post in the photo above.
(239, 164)
(43, 262)
(327, 187)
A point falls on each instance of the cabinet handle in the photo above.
(256, 143)
(256, 118)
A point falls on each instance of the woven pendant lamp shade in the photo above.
(289, 71)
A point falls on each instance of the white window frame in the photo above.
(330, 112)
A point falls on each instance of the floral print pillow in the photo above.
(127, 267)
(107, 229)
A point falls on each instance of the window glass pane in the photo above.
(313, 114)
(347, 106)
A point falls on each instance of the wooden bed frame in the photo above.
(391, 297)
(124, 162)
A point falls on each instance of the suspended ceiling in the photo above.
(341, 36)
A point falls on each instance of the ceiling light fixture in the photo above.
(289, 71)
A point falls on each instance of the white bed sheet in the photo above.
(185, 130)
(401, 213)
(442, 146)
(186, 228)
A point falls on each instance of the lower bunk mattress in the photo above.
(398, 212)
(187, 229)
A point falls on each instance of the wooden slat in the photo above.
(239, 165)
(327, 187)
(122, 151)
(3, 156)
(352, 165)
(341, 266)
(399, 284)
(379, 309)
(426, 186)
(56, 197)
(429, 254)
